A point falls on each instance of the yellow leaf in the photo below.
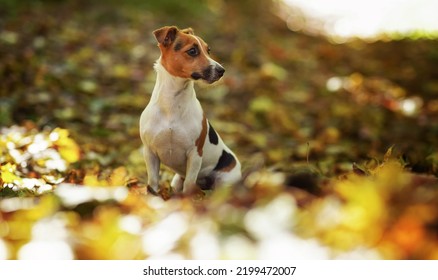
(364, 203)
(67, 147)
(70, 151)
(262, 104)
(274, 71)
(118, 177)
(103, 238)
(7, 173)
(388, 154)
(92, 180)
(391, 177)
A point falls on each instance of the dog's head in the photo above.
(186, 55)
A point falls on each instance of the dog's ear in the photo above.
(188, 30)
(166, 35)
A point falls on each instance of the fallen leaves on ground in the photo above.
(383, 212)
(338, 142)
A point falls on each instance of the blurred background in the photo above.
(314, 91)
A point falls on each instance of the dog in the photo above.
(173, 126)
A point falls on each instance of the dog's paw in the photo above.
(193, 191)
(153, 191)
(165, 192)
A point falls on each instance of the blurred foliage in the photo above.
(338, 142)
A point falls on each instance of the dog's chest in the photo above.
(172, 136)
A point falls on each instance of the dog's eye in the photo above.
(208, 50)
(193, 52)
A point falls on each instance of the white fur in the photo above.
(169, 127)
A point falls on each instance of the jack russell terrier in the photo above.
(173, 127)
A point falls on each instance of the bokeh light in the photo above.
(343, 19)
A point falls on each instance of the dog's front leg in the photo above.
(194, 161)
(177, 183)
(153, 169)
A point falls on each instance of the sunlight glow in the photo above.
(365, 19)
(46, 250)
(334, 84)
(16, 203)
(205, 244)
(38, 184)
(287, 246)
(38, 145)
(131, 224)
(48, 241)
(272, 219)
(411, 106)
(54, 136)
(360, 253)
(72, 195)
(238, 247)
(162, 237)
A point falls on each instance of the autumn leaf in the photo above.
(8, 173)
(67, 147)
(388, 154)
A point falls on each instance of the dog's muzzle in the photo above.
(210, 74)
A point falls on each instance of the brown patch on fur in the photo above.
(201, 139)
(166, 35)
(175, 59)
(188, 30)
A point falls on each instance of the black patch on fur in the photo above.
(207, 73)
(178, 46)
(225, 160)
(212, 135)
(207, 183)
(212, 73)
(196, 76)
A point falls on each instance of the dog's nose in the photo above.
(220, 70)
